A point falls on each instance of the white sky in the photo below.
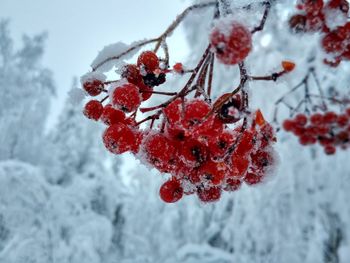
(78, 29)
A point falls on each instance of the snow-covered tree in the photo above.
(27, 88)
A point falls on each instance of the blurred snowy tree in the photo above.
(58, 202)
(26, 88)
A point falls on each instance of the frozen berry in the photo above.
(119, 138)
(149, 60)
(211, 194)
(112, 116)
(93, 87)
(132, 73)
(126, 97)
(171, 191)
(231, 42)
(93, 109)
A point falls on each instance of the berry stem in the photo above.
(103, 100)
(186, 89)
(211, 73)
(273, 76)
(160, 92)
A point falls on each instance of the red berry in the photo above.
(330, 117)
(173, 111)
(231, 42)
(262, 160)
(252, 178)
(171, 191)
(213, 172)
(112, 116)
(211, 194)
(126, 97)
(332, 43)
(239, 167)
(93, 87)
(160, 151)
(119, 138)
(219, 145)
(316, 119)
(178, 68)
(245, 144)
(93, 109)
(343, 120)
(288, 125)
(149, 60)
(193, 153)
(298, 23)
(300, 119)
(329, 149)
(132, 73)
(195, 111)
(232, 184)
(307, 140)
(347, 111)
(313, 6)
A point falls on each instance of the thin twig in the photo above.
(264, 18)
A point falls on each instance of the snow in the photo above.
(114, 50)
(63, 197)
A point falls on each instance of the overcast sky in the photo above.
(78, 29)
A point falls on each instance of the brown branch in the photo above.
(143, 43)
(264, 18)
(186, 89)
(179, 19)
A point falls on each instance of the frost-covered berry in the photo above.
(297, 23)
(132, 73)
(126, 97)
(195, 111)
(111, 115)
(193, 152)
(210, 194)
(171, 191)
(232, 184)
(160, 151)
(231, 41)
(93, 87)
(253, 178)
(93, 110)
(119, 138)
(213, 172)
(148, 60)
(172, 112)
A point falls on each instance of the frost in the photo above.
(114, 50)
(335, 18)
(94, 75)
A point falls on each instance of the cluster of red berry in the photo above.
(195, 143)
(329, 18)
(329, 129)
(204, 155)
